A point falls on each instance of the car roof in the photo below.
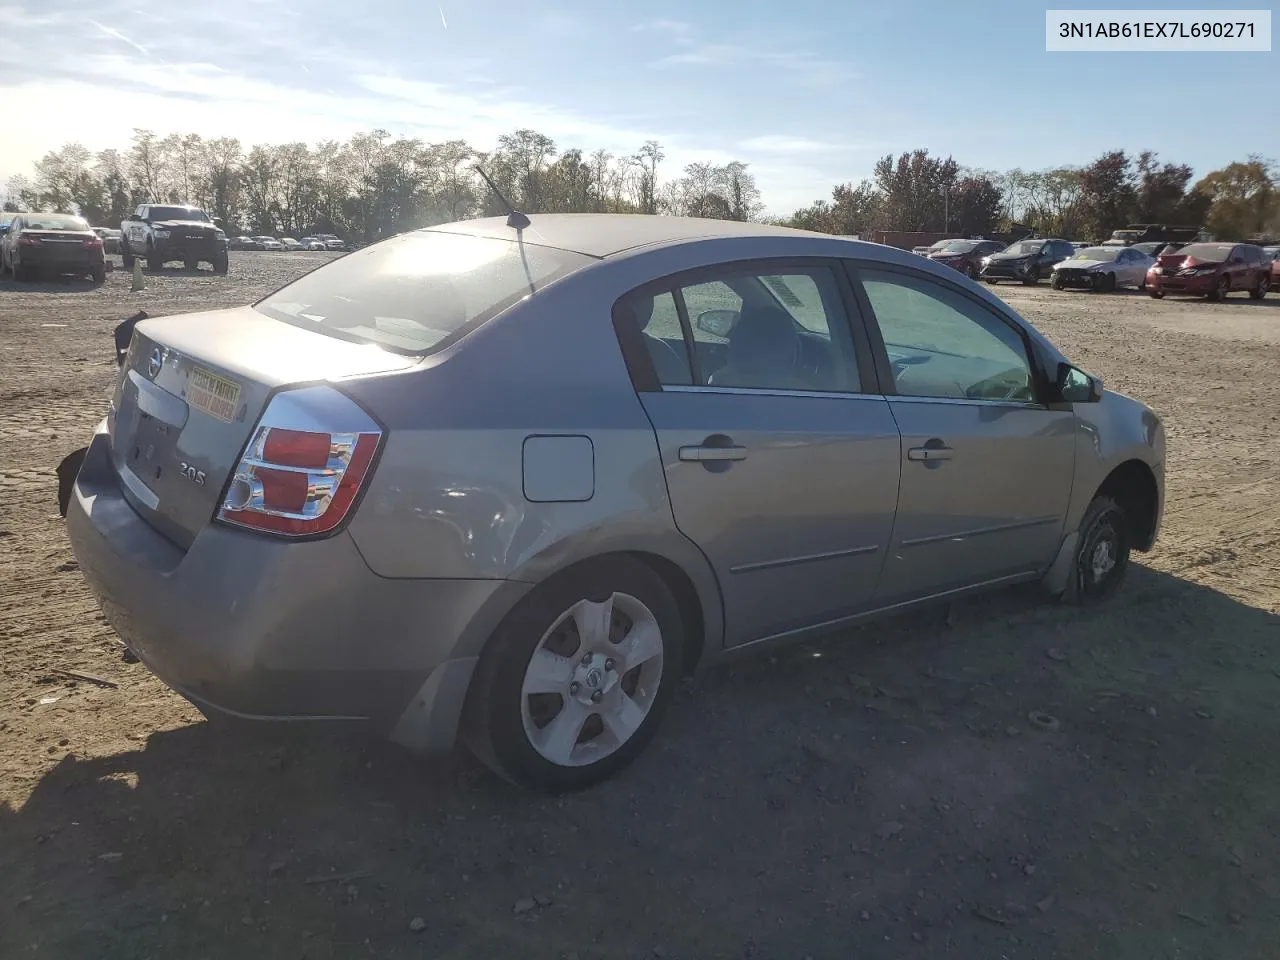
(605, 234)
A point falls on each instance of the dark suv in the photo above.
(965, 255)
(1027, 260)
(1212, 270)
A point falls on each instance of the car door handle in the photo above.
(929, 454)
(704, 454)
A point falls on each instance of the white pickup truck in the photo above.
(159, 233)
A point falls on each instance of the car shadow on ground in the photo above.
(1019, 779)
(67, 283)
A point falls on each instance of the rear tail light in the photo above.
(304, 465)
(93, 242)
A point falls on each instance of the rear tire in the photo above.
(99, 275)
(1102, 553)
(1260, 291)
(21, 272)
(126, 258)
(1156, 294)
(634, 645)
(154, 263)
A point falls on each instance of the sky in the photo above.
(808, 93)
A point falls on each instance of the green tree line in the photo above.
(917, 191)
(374, 185)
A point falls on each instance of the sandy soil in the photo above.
(882, 794)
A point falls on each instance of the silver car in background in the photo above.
(1103, 268)
(509, 484)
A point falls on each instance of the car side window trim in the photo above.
(644, 377)
(883, 367)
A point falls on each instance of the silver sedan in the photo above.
(509, 483)
(1103, 268)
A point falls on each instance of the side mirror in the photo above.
(1076, 386)
(718, 323)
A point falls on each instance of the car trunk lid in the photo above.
(191, 389)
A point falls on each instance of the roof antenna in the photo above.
(514, 217)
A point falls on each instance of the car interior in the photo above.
(760, 344)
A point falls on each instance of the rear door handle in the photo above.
(929, 454)
(704, 454)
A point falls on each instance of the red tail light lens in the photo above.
(93, 242)
(298, 482)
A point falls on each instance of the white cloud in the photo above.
(782, 143)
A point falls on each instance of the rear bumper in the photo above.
(265, 629)
(70, 260)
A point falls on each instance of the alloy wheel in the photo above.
(592, 680)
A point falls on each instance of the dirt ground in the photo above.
(883, 794)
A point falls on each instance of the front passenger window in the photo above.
(942, 344)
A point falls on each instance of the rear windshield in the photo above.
(177, 213)
(54, 221)
(414, 291)
(1206, 251)
(958, 246)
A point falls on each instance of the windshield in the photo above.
(1097, 253)
(958, 246)
(1024, 247)
(178, 213)
(1206, 251)
(54, 221)
(413, 292)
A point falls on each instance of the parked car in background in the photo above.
(110, 239)
(268, 243)
(51, 244)
(161, 233)
(1026, 260)
(1212, 270)
(744, 455)
(1103, 268)
(289, 243)
(965, 255)
(1274, 254)
(312, 243)
(331, 242)
(244, 243)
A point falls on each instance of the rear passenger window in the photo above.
(764, 330)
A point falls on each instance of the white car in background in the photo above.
(289, 243)
(311, 243)
(269, 243)
(1103, 268)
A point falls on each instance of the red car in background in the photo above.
(1211, 270)
(965, 255)
(1274, 254)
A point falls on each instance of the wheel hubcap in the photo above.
(1103, 560)
(592, 680)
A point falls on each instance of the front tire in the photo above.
(1056, 282)
(220, 263)
(1102, 553)
(1219, 293)
(573, 683)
